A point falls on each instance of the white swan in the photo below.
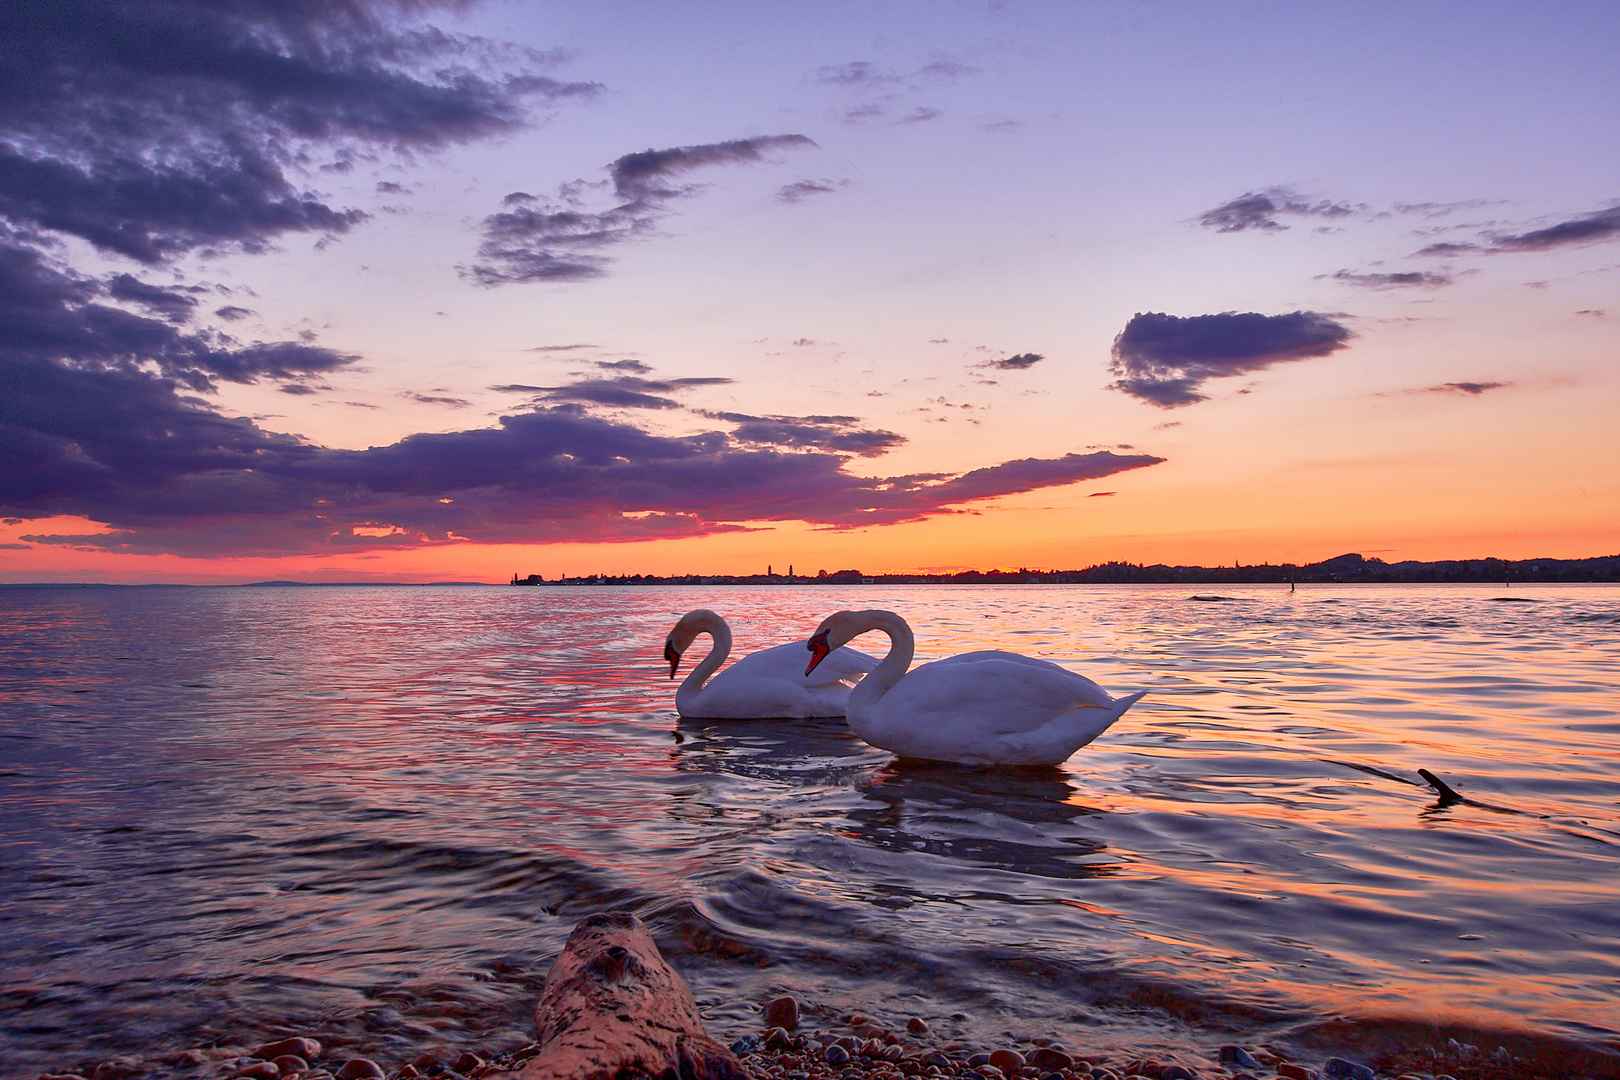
(767, 684)
(978, 708)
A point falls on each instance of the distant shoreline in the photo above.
(1342, 570)
(1349, 569)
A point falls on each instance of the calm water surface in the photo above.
(374, 813)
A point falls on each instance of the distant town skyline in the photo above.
(412, 291)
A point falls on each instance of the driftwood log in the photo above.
(612, 1009)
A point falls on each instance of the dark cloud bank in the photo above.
(1166, 359)
(159, 128)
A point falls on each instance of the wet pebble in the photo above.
(917, 1026)
(1237, 1057)
(1293, 1072)
(836, 1055)
(1008, 1061)
(1177, 1072)
(1050, 1059)
(258, 1070)
(1338, 1068)
(308, 1049)
(359, 1069)
(783, 1012)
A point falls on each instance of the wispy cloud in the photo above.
(1165, 359)
(1470, 389)
(1262, 210)
(1594, 228)
(800, 190)
(561, 240)
(840, 434)
(1412, 279)
(1019, 362)
(885, 93)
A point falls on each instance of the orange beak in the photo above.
(818, 650)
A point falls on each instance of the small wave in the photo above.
(1211, 598)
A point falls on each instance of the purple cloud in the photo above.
(1260, 210)
(800, 190)
(168, 474)
(1473, 389)
(150, 129)
(560, 240)
(1594, 228)
(1589, 229)
(1164, 359)
(1018, 362)
(1402, 280)
(834, 433)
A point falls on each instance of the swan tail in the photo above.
(1124, 703)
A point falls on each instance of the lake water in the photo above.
(373, 814)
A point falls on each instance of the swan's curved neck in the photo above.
(717, 629)
(902, 645)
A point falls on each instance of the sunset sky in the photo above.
(364, 290)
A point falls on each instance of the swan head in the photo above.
(686, 631)
(835, 631)
(818, 649)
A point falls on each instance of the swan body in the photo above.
(978, 708)
(768, 684)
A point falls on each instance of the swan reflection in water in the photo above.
(1026, 821)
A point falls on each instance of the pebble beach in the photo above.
(795, 1042)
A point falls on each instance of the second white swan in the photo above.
(769, 684)
(978, 708)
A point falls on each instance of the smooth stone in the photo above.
(1340, 1069)
(1008, 1061)
(116, 1069)
(1177, 1072)
(290, 1063)
(917, 1026)
(858, 1020)
(1292, 1071)
(777, 1039)
(990, 1072)
(1100, 1073)
(783, 1012)
(359, 1069)
(836, 1055)
(746, 1044)
(259, 1070)
(1044, 1057)
(308, 1049)
(1236, 1055)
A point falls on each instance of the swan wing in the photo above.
(788, 662)
(991, 708)
(771, 684)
